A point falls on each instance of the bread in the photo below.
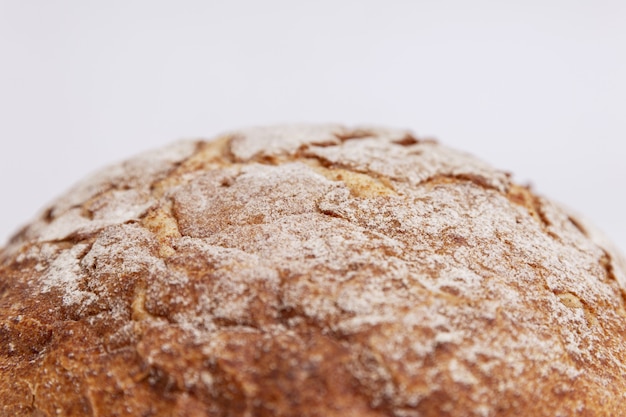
(310, 271)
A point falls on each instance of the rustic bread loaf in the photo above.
(310, 271)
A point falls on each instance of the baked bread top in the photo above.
(310, 271)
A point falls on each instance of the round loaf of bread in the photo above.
(310, 271)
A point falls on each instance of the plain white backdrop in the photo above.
(534, 87)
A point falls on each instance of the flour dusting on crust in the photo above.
(310, 270)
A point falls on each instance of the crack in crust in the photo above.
(571, 300)
(524, 197)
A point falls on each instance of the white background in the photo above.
(534, 87)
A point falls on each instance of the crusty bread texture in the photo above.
(310, 270)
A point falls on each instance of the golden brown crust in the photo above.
(310, 271)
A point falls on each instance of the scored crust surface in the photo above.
(310, 271)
